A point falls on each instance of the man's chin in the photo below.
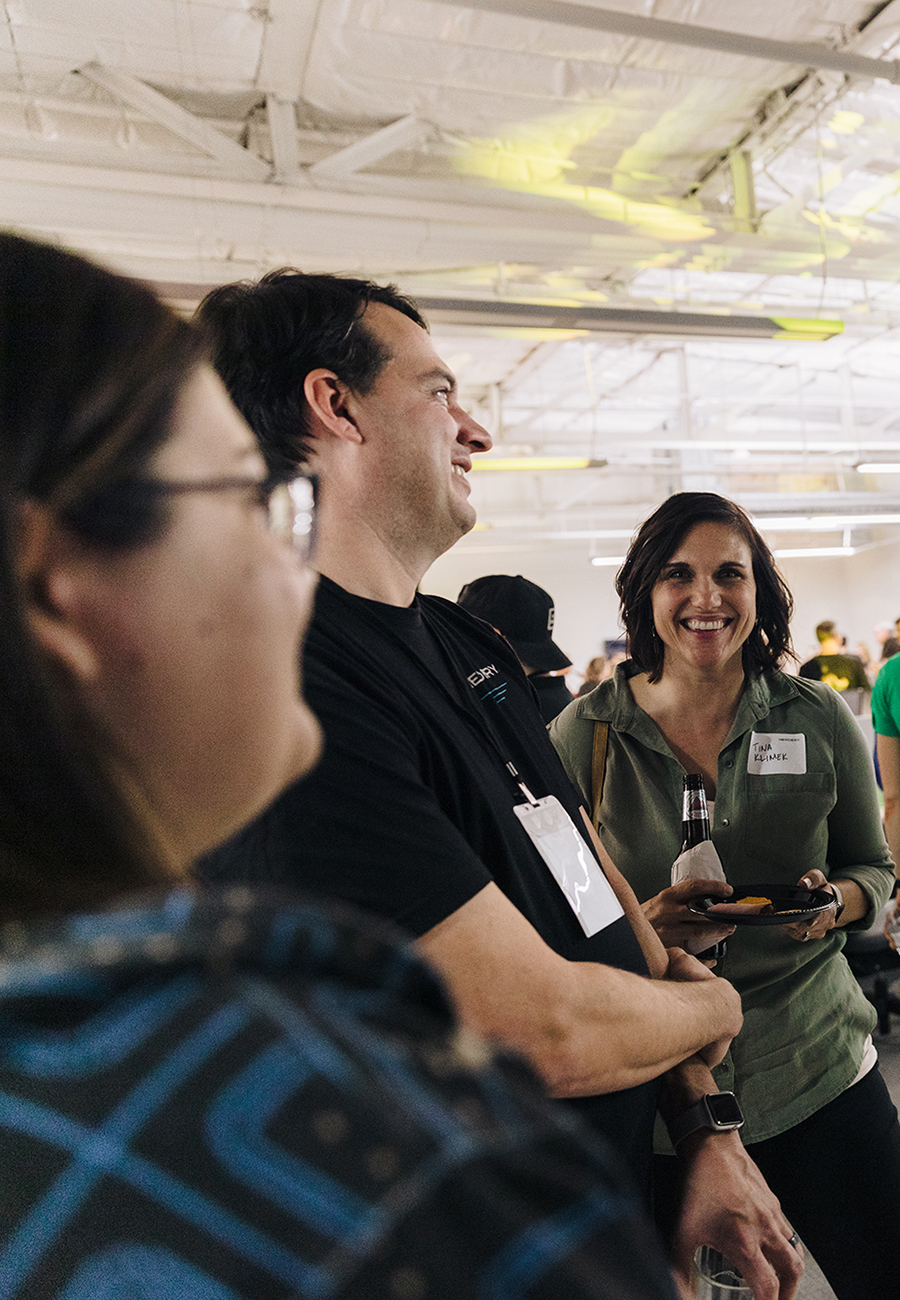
(466, 518)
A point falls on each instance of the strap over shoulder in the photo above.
(598, 769)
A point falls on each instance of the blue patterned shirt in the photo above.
(230, 1095)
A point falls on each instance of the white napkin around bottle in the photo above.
(702, 862)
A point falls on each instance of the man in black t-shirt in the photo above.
(436, 761)
(832, 664)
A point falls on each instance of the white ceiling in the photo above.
(672, 156)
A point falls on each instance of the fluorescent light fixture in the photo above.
(815, 552)
(532, 464)
(502, 312)
(821, 523)
(874, 467)
(813, 331)
(607, 561)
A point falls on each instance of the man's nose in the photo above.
(471, 434)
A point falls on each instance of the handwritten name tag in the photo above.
(773, 753)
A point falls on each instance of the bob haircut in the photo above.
(91, 366)
(267, 337)
(768, 644)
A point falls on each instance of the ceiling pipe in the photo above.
(620, 320)
(806, 53)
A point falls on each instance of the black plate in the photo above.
(791, 903)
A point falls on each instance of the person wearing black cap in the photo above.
(524, 613)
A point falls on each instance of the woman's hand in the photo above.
(816, 927)
(679, 928)
(891, 917)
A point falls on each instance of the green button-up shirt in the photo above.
(805, 1017)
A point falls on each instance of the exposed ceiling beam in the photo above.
(283, 134)
(807, 54)
(287, 38)
(371, 149)
(178, 120)
(181, 228)
(112, 158)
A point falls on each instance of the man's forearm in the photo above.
(628, 1030)
(586, 1028)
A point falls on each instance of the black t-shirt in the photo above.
(843, 672)
(553, 695)
(410, 811)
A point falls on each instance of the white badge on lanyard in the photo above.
(572, 864)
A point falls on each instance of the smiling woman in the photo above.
(792, 801)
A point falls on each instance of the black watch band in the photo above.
(718, 1112)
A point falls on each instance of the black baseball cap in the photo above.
(523, 612)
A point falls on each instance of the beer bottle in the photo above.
(695, 829)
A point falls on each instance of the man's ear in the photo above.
(44, 556)
(330, 403)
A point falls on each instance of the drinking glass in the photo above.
(715, 1279)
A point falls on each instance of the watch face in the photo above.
(724, 1108)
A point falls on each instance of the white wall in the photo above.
(857, 592)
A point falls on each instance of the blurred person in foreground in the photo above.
(440, 802)
(215, 1094)
(792, 800)
(525, 614)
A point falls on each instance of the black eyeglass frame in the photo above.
(292, 520)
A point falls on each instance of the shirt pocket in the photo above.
(785, 821)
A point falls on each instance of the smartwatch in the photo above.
(717, 1111)
(839, 899)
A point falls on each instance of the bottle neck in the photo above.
(695, 816)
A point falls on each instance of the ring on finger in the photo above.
(794, 1240)
(804, 936)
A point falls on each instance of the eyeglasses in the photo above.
(290, 504)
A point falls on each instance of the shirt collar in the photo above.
(613, 702)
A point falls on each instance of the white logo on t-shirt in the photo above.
(482, 674)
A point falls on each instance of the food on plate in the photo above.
(748, 906)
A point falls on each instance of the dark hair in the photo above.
(91, 365)
(768, 644)
(266, 337)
